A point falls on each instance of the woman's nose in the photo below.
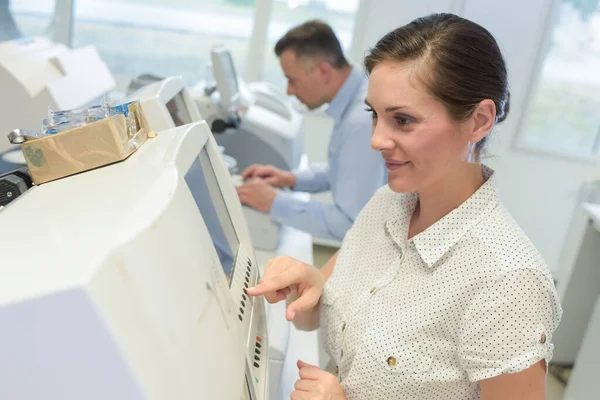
(380, 139)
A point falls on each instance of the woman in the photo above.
(436, 293)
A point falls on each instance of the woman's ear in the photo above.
(483, 118)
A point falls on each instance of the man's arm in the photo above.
(312, 180)
(360, 173)
(316, 218)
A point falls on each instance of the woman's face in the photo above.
(413, 131)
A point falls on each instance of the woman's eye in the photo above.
(403, 121)
(373, 113)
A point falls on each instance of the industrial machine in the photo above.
(112, 287)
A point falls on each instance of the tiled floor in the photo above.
(555, 388)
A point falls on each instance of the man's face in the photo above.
(305, 79)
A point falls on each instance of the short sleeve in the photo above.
(508, 327)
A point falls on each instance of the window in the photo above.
(564, 115)
(22, 18)
(174, 37)
(340, 14)
(164, 37)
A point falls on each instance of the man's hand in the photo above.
(257, 194)
(315, 384)
(270, 174)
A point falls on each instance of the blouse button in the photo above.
(391, 361)
(373, 289)
(337, 370)
(343, 327)
(543, 338)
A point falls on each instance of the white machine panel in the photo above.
(24, 45)
(260, 124)
(112, 288)
(167, 104)
(583, 380)
(48, 75)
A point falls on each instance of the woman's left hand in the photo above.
(316, 384)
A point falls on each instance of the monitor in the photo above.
(124, 296)
(226, 77)
(166, 104)
(204, 186)
(178, 110)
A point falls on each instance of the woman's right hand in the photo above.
(284, 275)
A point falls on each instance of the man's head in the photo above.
(313, 62)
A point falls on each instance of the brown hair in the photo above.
(462, 60)
(313, 39)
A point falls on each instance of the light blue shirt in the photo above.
(353, 173)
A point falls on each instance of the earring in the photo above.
(469, 155)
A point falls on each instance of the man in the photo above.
(318, 73)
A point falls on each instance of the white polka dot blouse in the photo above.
(468, 299)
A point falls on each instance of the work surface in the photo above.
(8, 161)
(300, 344)
(594, 212)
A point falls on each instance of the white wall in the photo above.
(375, 18)
(539, 190)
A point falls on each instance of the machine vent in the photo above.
(245, 301)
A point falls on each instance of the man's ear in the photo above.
(325, 70)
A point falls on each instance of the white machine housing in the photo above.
(167, 104)
(111, 287)
(48, 75)
(584, 378)
(265, 234)
(24, 45)
(262, 126)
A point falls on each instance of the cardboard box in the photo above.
(81, 149)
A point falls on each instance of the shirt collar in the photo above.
(344, 96)
(439, 238)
